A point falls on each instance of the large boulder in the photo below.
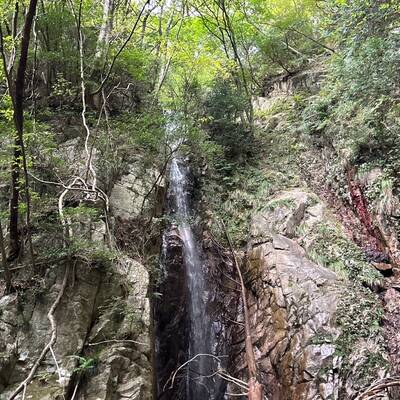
(133, 189)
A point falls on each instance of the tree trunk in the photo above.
(6, 269)
(105, 30)
(19, 150)
(15, 244)
(255, 388)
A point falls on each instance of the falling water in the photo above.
(189, 330)
(200, 333)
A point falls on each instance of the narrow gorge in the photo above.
(199, 200)
(189, 269)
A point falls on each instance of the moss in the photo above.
(234, 200)
(280, 203)
(322, 338)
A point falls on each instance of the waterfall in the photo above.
(200, 333)
(187, 310)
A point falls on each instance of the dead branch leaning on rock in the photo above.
(50, 315)
(255, 388)
(378, 387)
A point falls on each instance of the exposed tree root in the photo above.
(52, 341)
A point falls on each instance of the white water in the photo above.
(200, 337)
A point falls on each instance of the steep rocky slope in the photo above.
(321, 259)
(100, 310)
(316, 334)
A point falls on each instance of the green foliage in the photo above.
(332, 249)
(357, 109)
(82, 221)
(63, 91)
(125, 137)
(360, 316)
(232, 195)
(356, 20)
(274, 204)
(224, 107)
(86, 366)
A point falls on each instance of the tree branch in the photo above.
(103, 82)
(255, 388)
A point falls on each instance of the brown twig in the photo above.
(117, 341)
(174, 373)
(219, 372)
(378, 387)
(255, 388)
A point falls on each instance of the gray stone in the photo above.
(293, 308)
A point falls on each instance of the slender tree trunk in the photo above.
(19, 149)
(255, 388)
(6, 269)
(232, 38)
(15, 245)
(105, 30)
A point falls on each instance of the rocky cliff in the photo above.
(97, 309)
(318, 239)
(316, 334)
(320, 262)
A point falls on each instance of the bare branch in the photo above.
(379, 386)
(117, 341)
(255, 391)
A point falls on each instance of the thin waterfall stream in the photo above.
(187, 321)
(189, 308)
(200, 340)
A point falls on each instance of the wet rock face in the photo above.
(293, 313)
(295, 305)
(171, 320)
(171, 316)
